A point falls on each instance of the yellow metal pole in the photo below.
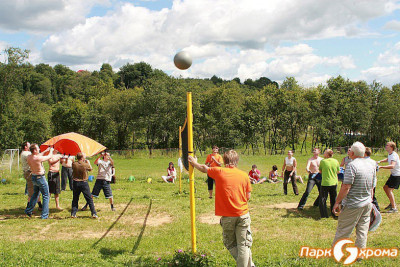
(180, 156)
(191, 172)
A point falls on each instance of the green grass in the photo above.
(278, 233)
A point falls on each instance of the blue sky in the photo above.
(311, 40)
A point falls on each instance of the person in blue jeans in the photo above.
(314, 178)
(35, 162)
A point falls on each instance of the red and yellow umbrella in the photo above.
(72, 143)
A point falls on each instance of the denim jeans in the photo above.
(39, 185)
(78, 188)
(310, 185)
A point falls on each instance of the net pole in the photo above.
(11, 159)
(180, 156)
(191, 171)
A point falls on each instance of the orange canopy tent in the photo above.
(72, 143)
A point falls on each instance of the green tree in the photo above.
(134, 75)
(68, 116)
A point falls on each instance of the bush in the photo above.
(189, 259)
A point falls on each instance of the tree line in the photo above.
(141, 107)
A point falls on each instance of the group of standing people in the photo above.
(325, 173)
(73, 172)
(352, 206)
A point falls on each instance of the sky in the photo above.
(311, 40)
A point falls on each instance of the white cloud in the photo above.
(298, 61)
(3, 46)
(228, 38)
(44, 16)
(386, 69)
(393, 25)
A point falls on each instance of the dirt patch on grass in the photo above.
(283, 206)
(134, 216)
(153, 219)
(209, 218)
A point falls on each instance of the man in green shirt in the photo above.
(329, 168)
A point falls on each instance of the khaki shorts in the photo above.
(235, 230)
(28, 178)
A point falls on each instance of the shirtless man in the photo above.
(66, 172)
(314, 178)
(35, 161)
(289, 171)
(54, 177)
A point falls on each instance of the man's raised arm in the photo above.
(201, 167)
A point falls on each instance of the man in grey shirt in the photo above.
(355, 197)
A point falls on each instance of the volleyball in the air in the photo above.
(183, 60)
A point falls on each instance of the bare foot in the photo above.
(59, 208)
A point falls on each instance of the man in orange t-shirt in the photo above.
(213, 160)
(232, 192)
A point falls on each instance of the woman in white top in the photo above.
(289, 171)
(170, 178)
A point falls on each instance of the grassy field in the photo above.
(152, 221)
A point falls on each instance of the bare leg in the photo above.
(210, 193)
(262, 180)
(390, 195)
(57, 198)
(112, 203)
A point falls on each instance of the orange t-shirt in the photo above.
(231, 187)
(212, 163)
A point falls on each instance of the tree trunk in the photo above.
(304, 142)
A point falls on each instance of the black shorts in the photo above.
(393, 182)
(54, 182)
(210, 182)
(102, 184)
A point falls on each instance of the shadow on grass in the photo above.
(19, 213)
(11, 194)
(113, 224)
(137, 243)
(310, 212)
(143, 261)
(107, 253)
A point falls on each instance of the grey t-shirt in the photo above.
(361, 174)
(105, 170)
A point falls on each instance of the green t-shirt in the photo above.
(329, 169)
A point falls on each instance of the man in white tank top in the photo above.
(289, 171)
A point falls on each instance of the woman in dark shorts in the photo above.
(394, 180)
